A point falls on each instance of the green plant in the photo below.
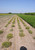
(6, 44)
(27, 27)
(13, 25)
(19, 27)
(11, 29)
(24, 24)
(30, 31)
(9, 22)
(9, 36)
(13, 22)
(21, 34)
(21, 30)
(6, 25)
(33, 37)
(1, 31)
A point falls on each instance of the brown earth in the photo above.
(17, 41)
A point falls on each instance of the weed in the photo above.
(13, 25)
(1, 31)
(27, 27)
(21, 34)
(30, 31)
(33, 37)
(21, 30)
(11, 29)
(9, 36)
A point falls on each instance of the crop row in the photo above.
(21, 34)
(9, 22)
(27, 27)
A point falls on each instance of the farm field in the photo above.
(16, 32)
(28, 18)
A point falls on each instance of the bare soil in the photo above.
(17, 42)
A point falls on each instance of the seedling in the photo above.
(21, 34)
(1, 31)
(6, 44)
(8, 22)
(19, 27)
(33, 37)
(21, 30)
(11, 29)
(24, 24)
(27, 27)
(6, 25)
(13, 25)
(30, 31)
(9, 36)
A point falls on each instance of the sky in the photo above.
(17, 6)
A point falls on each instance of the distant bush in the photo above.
(29, 13)
(9, 13)
(6, 44)
(1, 31)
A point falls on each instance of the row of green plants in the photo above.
(21, 34)
(1, 32)
(9, 22)
(13, 23)
(27, 27)
(7, 43)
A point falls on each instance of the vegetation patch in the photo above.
(11, 29)
(30, 31)
(21, 30)
(6, 44)
(6, 25)
(9, 36)
(9, 22)
(21, 34)
(24, 24)
(19, 26)
(1, 31)
(27, 27)
(13, 25)
(33, 37)
(28, 18)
